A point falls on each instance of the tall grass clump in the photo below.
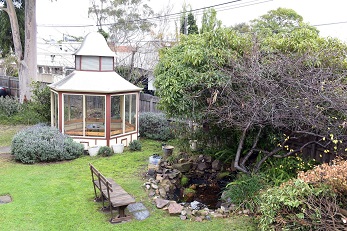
(42, 143)
(243, 192)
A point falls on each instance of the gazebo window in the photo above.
(95, 115)
(90, 63)
(73, 115)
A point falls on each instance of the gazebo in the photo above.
(94, 105)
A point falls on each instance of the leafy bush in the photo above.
(244, 190)
(41, 100)
(9, 106)
(13, 112)
(135, 145)
(298, 205)
(41, 143)
(105, 151)
(334, 175)
(280, 170)
(154, 126)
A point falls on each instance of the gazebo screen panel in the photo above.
(55, 109)
(73, 114)
(117, 103)
(95, 115)
(130, 112)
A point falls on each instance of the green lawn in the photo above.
(59, 196)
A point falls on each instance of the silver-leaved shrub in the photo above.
(42, 143)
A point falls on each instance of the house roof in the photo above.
(94, 82)
(94, 44)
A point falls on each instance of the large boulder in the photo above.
(183, 167)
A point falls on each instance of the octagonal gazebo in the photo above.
(95, 105)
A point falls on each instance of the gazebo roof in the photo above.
(94, 82)
(94, 44)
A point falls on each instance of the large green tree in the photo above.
(125, 20)
(287, 82)
(6, 39)
(209, 21)
(27, 57)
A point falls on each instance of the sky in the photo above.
(63, 14)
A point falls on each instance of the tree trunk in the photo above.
(27, 63)
(28, 68)
(11, 11)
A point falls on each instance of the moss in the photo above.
(221, 175)
(184, 180)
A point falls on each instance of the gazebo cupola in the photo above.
(95, 105)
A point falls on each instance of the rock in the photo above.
(217, 215)
(172, 175)
(159, 178)
(148, 187)
(161, 203)
(203, 212)
(216, 165)
(196, 205)
(198, 219)
(246, 211)
(183, 167)
(154, 186)
(208, 159)
(162, 192)
(166, 182)
(202, 166)
(184, 213)
(151, 193)
(166, 188)
(175, 208)
(5, 199)
(151, 172)
(182, 217)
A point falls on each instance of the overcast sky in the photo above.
(315, 12)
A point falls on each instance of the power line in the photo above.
(143, 19)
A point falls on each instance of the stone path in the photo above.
(139, 211)
(5, 199)
(5, 150)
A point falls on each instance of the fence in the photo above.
(12, 83)
(148, 103)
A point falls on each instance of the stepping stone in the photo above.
(139, 211)
(5, 199)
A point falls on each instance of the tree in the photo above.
(289, 84)
(188, 22)
(282, 20)
(27, 59)
(126, 19)
(209, 21)
(6, 40)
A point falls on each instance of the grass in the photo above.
(7, 132)
(59, 196)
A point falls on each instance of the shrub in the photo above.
(154, 126)
(105, 151)
(298, 205)
(280, 170)
(41, 143)
(334, 175)
(135, 145)
(9, 106)
(41, 100)
(244, 190)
